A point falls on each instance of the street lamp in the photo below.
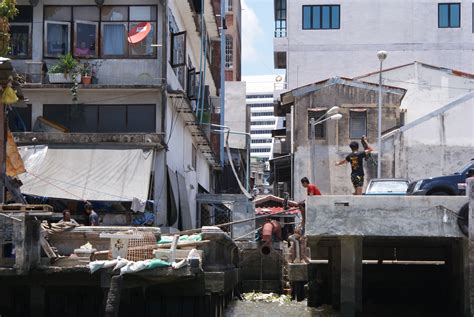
(333, 115)
(382, 55)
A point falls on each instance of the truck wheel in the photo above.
(463, 219)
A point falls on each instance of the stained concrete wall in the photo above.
(437, 144)
(383, 216)
(407, 29)
(236, 113)
(428, 87)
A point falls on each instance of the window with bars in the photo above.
(321, 17)
(357, 123)
(319, 129)
(229, 51)
(262, 122)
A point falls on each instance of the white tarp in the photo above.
(86, 174)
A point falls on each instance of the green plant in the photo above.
(65, 65)
(85, 69)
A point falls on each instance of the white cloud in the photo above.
(251, 31)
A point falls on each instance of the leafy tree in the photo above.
(8, 11)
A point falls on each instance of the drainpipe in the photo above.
(222, 123)
(292, 157)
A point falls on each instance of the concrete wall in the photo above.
(437, 144)
(236, 114)
(407, 29)
(428, 88)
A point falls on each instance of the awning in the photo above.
(86, 174)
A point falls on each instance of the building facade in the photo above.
(316, 39)
(154, 88)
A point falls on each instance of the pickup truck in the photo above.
(441, 185)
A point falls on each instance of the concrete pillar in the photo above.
(470, 271)
(351, 276)
(37, 301)
(335, 275)
(26, 239)
(458, 267)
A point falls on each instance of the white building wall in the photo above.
(428, 88)
(407, 29)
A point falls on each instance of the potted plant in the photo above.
(86, 73)
(65, 70)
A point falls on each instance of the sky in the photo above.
(257, 38)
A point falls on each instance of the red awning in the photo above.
(139, 32)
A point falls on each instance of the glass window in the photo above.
(83, 118)
(306, 17)
(178, 49)
(144, 47)
(19, 119)
(57, 38)
(357, 124)
(114, 39)
(87, 13)
(112, 119)
(85, 44)
(58, 114)
(335, 23)
(114, 13)
(25, 14)
(20, 40)
(141, 118)
(326, 17)
(57, 13)
(229, 48)
(317, 17)
(449, 15)
(142, 13)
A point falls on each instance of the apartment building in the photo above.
(315, 40)
(153, 91)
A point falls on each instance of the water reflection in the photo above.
(292, 309)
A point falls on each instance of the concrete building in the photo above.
(155, 94)
(438, 109)
(313, 155)
(315, 40)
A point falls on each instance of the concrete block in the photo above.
(298, 272)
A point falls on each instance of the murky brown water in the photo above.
(292, 309)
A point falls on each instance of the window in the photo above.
(319, 129)
(262, 141)
(193, 84)
(262, 114)
(262, 122)
(20, 30)
(260, 150)
(261, 132)
(178, 49)
(228, 51)
(113, 23)
(321, 17)
(103, 118)
(280, 18)
(357, 123)
(449, 15)
(194, 157)
(228, 5)
(19, 119)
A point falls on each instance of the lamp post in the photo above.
(382, 55)
(333, 115)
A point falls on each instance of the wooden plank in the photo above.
(24, 208)
(47, 248)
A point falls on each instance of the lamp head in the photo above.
(333, 110)
(336, 116)
(382, 55)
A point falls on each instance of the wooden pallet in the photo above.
(25, 208)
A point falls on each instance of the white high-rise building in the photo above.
(315, 39)
(262, 121)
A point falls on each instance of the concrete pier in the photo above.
(378, 248)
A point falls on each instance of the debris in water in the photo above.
(266, 297)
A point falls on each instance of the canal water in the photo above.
(288, 309)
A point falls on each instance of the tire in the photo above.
(439, 193)
(463, 219)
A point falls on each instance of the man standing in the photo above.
(311, 190)
(93, 217)
(357, 168)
